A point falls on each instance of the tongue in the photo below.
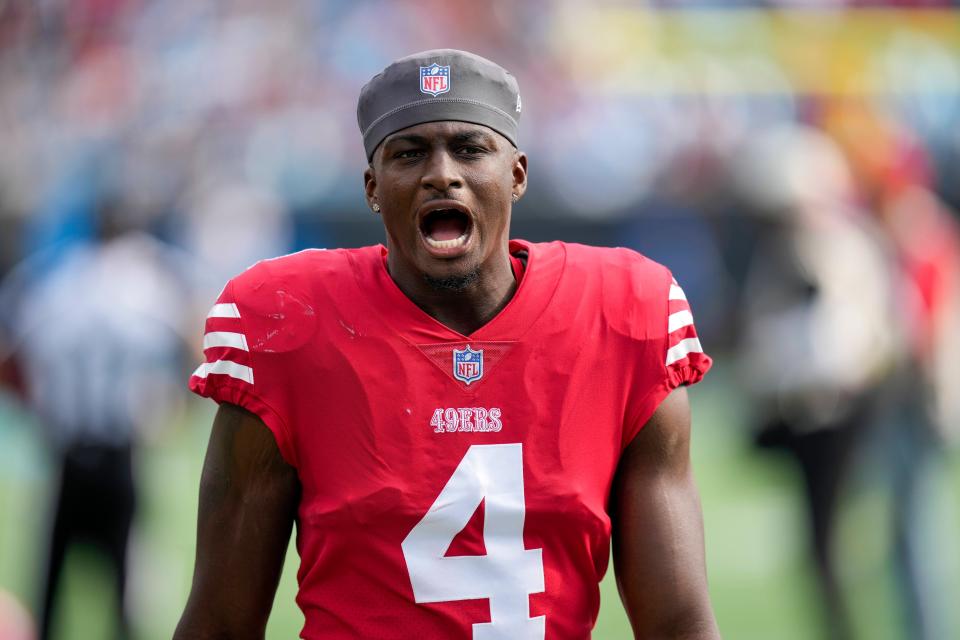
(446, 228)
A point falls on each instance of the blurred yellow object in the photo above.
(843, 52)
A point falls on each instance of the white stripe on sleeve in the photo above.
(679, 320)
(225, 367)
(224, 310)
(231, 339)
(683, 348)
(676, 293)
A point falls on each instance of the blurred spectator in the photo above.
(922, 409)
(230, 228)
(96, 336)
(818, 343)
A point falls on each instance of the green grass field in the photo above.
(761, 582)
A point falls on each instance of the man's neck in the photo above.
(465, 309)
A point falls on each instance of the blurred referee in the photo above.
(88, 333)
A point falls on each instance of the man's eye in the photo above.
(410, 153)
(469, 150)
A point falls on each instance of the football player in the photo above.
(458, 423)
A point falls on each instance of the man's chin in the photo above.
(452, 282)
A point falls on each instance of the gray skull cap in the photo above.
(442, 84)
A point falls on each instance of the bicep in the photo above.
(248, 503)
(658, 530)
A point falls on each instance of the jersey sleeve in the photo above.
(685, 361)
(673, 354)
(229, 372)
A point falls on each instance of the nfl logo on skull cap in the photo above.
(435, 79)
(467, 364)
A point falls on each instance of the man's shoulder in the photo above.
(627, 289)
(307, 262)
(608, 264)
(309, 268)
(297, 286)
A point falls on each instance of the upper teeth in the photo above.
(447, 244)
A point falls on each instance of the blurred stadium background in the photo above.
(701, 133)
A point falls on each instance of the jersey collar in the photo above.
(545, 264)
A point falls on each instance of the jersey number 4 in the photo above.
(509, 573)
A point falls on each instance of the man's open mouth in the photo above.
(445, 228)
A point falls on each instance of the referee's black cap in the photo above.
(442, 84)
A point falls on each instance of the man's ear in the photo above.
(370, 185)
(519, 174)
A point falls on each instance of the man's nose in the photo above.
(441, 173)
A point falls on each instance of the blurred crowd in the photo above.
(796, 163)
(193, 112)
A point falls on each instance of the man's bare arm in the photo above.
(658, 549)
(248, 503)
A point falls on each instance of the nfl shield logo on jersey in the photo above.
(467, 364)
(435, 79)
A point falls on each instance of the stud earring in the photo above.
(514, 198)
(375, 207)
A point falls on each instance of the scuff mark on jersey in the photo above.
(350, 330)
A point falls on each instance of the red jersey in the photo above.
(452, 486)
